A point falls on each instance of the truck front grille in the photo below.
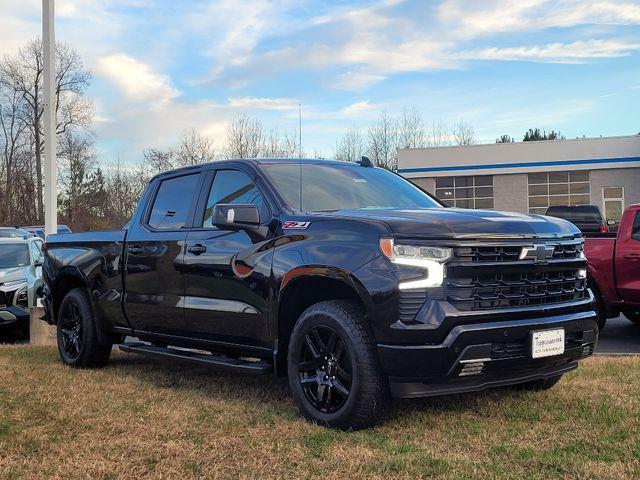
(494, 277)
(511, 253)
(6, 299)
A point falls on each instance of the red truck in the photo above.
(613, 263)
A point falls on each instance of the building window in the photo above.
(613, 198)
(466, 192)
(558, 188)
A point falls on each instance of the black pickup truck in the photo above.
(350, 280)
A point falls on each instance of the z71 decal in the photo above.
(294, 225)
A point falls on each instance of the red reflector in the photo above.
(603, 228)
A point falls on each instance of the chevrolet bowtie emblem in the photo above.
(539, 253)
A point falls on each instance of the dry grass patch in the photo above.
(142, 417)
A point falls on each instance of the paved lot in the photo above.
(619, 336)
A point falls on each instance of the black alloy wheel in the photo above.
(325, 369)
(71, 330)
(78, 343)
(333, 367)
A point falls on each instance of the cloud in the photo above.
(257, 103)
(360, 108)
(491, 17)
(355, 80)
(136, 80)
(576, 52)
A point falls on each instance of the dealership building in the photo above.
(528, 177)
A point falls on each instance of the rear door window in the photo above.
(173, 202)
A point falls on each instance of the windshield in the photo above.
(14, 255)
(339, 187)
(13, 233)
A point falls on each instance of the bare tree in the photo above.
(22, 74)
(437, 134)
(411, 129)
(124, 187)
(464, 133)
(382, 141)
(192, 148)
(244, 137)
(504, 139)
(12, 141)
(277, 146)
(350, 147)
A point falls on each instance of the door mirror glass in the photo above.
(229, 216)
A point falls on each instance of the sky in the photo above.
(161, 68)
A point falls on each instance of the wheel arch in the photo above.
(66, 281)
(304, 286)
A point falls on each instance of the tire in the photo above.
(78, 344)
(333, 367)
(600, 309)
(633, 315)
(24, 330)
(539, 385)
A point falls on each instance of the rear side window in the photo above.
(172, 202)
(235, 187)
(635, 230)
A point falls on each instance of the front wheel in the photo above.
(333, 368)
(78, 344)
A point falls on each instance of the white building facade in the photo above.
(528, 177)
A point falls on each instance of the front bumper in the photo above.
(13, 315)
(482, 355)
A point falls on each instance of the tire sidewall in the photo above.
(78, 297)
(314, 317)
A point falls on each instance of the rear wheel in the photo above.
(541, 384)
(633, 315)
(78, 344)
(333, 368)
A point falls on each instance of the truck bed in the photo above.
(96, 256)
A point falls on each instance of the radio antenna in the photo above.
(300, 150)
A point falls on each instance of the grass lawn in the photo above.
(142, 417)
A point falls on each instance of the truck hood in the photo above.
(465, 223)
(13, 274)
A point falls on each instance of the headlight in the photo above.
(431, 259)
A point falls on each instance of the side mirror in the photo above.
(236, 217)
(611, 222)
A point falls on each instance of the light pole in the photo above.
(50, 171)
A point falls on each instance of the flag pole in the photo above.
(49, 75)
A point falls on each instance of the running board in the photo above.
(259, 367)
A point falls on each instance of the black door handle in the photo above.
(135, 249)
(197, 249)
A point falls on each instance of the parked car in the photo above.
(20, 280)
(586, 217)
(614, 269)
(13, 232)
(40, 231)
(349, 279)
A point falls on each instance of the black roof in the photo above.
(256, 161)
